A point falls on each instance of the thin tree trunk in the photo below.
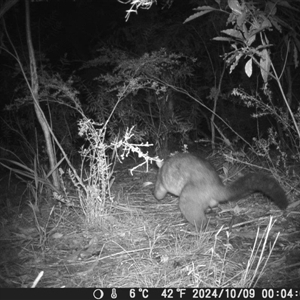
(216, 97)
(35, 95)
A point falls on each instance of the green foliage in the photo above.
(144, 86)
(61, 105)
(96, 173)
(250, 33)
(250, 22)
(285, 138)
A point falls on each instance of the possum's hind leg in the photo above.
(192, 207)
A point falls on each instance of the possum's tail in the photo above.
(256, 182)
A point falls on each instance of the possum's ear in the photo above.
(159, 163)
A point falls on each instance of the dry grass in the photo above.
(144, 243)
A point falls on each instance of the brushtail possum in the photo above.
(198, 186)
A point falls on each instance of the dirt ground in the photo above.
(142, 242)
